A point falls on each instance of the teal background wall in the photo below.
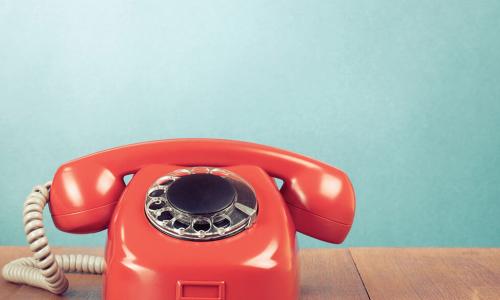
(404, 96)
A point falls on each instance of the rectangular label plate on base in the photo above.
(200, 290)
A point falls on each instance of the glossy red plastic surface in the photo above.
(83, 189)
(83, 196)
(88, 195)
(258, 263)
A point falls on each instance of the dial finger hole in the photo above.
(157, 193)
(165, 182)
(165, 216)
(222, 223)
(201, 225)
(179, 225)
(181, 172)
(218, 172)
(155, 205)
(200, 170)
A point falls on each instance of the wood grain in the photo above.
(329, 274)
(325, 274)
(395, 273)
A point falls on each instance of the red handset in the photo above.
(320, 198)
(200, 219)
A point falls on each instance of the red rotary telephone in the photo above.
(200, 219)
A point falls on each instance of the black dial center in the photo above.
(201, 194)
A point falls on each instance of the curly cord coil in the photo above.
(46, 270)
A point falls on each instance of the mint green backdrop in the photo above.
(404, 96)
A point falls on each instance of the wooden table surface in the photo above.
(356, 273)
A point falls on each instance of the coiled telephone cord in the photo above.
(44, 269)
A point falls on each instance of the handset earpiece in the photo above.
(83, 196)
(321, 201)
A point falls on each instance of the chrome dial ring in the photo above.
(235, 216)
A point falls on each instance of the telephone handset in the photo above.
(196, 201)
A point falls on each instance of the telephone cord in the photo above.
(45, 269)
